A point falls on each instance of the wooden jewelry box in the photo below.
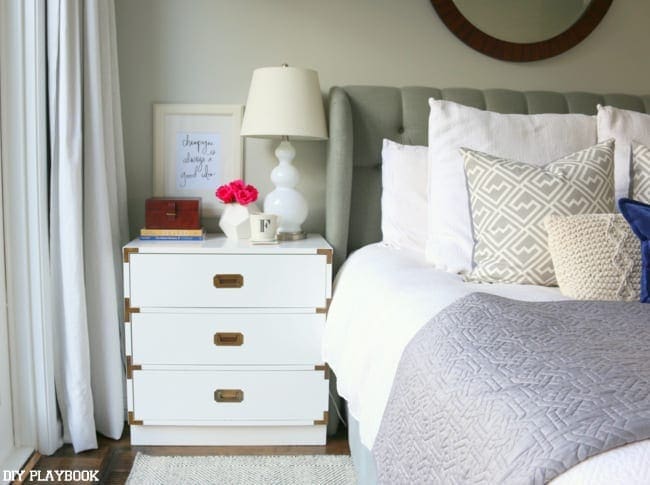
(173, 213)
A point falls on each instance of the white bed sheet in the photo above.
(382, 297)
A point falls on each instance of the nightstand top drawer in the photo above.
(228, 281)
(218, 244)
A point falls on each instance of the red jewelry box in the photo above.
(176, 213)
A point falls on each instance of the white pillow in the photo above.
(538, 139)
(404, 195)
(625, 127)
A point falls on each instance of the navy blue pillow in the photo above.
(637, 215)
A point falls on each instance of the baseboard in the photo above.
(228, 435)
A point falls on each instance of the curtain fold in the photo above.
(88, 217)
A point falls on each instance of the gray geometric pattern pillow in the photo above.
(640, 173)
(509, 201)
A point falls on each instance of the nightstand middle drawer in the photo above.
(228, 281)
(226, 339)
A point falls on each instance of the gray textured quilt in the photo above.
(493, 391)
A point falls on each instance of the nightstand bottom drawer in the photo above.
(208, 397)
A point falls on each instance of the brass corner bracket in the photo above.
(326, 308)
(320, 422)
(328, 253)
(133, 421)
(326, 370)
(129, 310)
(128, 252)
(130, 367)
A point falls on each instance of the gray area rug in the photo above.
(235, 470)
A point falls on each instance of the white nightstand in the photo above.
(223, 341)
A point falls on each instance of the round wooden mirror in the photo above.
(521, 31)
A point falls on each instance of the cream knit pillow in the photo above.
(595, 256)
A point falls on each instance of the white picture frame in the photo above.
(196, 148)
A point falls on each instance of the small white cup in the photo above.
(263, 227)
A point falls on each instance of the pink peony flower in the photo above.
(236, 191)
(226, 194)
(246, 195)
(236, 185)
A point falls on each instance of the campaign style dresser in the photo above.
(223, 341)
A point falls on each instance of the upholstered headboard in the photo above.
(361, 116)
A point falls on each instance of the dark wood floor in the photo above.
(114, 458)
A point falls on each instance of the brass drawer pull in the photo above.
(228, 281)
(229, 395)
(230, 339)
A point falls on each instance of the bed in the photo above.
(394, 291)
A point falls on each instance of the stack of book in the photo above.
(172, 234)
(172, 219)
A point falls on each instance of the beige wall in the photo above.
(527, 21)
(204, 51)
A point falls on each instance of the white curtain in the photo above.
(88, 220)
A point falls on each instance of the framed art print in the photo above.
(197, 147)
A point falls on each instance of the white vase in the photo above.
(234, 220)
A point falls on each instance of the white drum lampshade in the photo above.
(285, 103)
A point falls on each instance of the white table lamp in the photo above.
(285, 103)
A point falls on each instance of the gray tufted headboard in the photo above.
(361, 116)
